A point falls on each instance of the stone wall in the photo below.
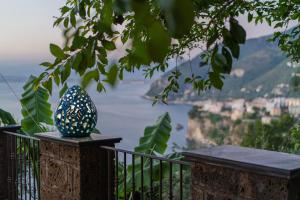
(76, 169)
(210, 182)
(237, 173)
(59, 167)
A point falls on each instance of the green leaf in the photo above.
(159, 42)
(228, 57)
(57, 21)
(112, 75)
(36, 110)
(156, 137)
(78, 42)
(250, 17)
(66, 22)
(107, 15)
(88, 77)
(64, 10)
(76, 61)
(180, 17)
(82, 12)
(96, 131)
(66, 71)
(216, 80)
(237, 31)
(212, 39)
(48, 85)
(63, 90)
(57, 51)
(73, 18)
(6, 118)
(109, 45)
(219, 62)
(56, 79)
(100, 87)
(46, 64)
(231, 43)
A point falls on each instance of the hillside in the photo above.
(261, 71)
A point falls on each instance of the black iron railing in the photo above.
(139, 176)
(23, 166)
(131, 175)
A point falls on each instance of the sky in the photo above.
(26, 29)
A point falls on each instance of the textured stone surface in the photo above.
(74, 170)
(220, 177)
(215, 182)
(270, 162)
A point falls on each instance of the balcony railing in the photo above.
(142, 176)
(134, 175)
(49, 167)
(23, 175)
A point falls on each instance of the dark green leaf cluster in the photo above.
(6, 118)
(36, 110)
(151, 32)
(281, 14)
(279, 135)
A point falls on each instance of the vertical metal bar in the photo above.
(38, 170)
(160, 180)
(133, 176)
(18, 166)
(12, 167)
(142, 177)
(181, 182)
(34, 170)
(109, 175)
(125, 176)
(15, 168)
(117, 174)
(151, 178)
(9, 167)
(170, 181)
(29, 167)
(21, 166)
(25, 167)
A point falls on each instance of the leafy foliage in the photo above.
(156, 137)
(154, 142)
(152, 33)
(280, 135)
(36, 110)
(263, 64)
(6, 118)
(280, 14)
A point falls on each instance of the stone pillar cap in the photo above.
(92, 139)
(255, 160)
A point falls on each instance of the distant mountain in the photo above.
(261, 71)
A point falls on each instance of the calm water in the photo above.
(122, 111)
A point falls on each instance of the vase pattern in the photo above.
(76, 114)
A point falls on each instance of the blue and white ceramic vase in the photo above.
(76, 114)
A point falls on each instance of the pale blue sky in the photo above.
(26, 29)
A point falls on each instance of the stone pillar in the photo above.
(7, 185)
(75, 168)
(237, 173)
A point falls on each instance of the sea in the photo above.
(122, 111)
